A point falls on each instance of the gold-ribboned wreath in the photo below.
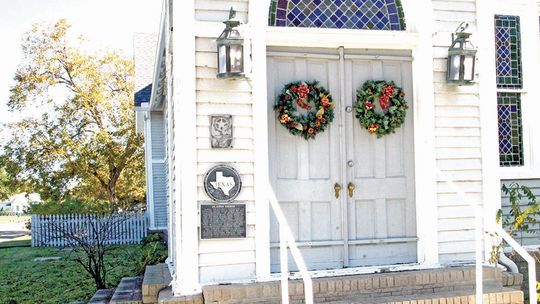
(304, 108)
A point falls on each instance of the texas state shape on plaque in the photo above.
(224, 183)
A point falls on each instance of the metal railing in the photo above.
(479, 220)
(286, 240)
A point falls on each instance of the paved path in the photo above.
(10, 231)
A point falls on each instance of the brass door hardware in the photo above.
(351, 188)
(337, 189)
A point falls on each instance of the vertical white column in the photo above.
(485, 41)
(187, 262)
(258, 18)
(420, 19)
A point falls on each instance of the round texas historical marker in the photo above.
(222, 183)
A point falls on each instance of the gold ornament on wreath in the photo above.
(380, 107)
(304, 108)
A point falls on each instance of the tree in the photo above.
(91, 241)
(83, 145)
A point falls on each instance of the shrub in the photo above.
(153, 251)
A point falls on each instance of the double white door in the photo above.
(371, 221)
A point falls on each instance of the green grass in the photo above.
(24, 281)
(16, 243)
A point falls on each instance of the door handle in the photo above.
(337, 189)
(351, 188)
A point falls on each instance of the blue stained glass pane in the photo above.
(353, 14)
(510, 129)
(508, 52)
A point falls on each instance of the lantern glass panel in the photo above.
(468, 66)
(453, 67)
(237, 60)
(222, 59)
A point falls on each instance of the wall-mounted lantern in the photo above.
(230, 47)
(461, 58)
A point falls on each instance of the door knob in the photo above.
(351, 188)
(337, 189)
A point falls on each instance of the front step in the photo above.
(453, 285)
(365, 287)
(156, 278)
(102, 296)
(128, 291)
(503, 296)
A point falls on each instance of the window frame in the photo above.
(530, 39)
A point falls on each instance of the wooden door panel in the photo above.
(305, 171)
(381, 221)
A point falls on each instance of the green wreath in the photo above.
(316, 102)
(380, 107)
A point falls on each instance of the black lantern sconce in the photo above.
(461, 58)
(230, 47)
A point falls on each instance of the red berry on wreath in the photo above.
(293, 89)
(384, 101)
(369, 105)
(325, 102)
(373, 128)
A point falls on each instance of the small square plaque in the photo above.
(221, 131)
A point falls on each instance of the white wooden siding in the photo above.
(159, 168)
(224, 260)
(218, 10)
(457, 136)
(532, 238)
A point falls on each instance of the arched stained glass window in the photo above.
(349, 14)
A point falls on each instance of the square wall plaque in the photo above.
(221, 131)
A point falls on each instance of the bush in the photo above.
(153, 251)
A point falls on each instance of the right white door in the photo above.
(381, 223)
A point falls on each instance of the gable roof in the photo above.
(144, 51)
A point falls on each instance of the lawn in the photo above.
(24, 281)
(18, 242)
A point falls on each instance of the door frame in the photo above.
(417, 39)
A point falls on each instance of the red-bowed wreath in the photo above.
(393, 107)
(316, 104)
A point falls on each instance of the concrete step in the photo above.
(166, 297)
(406, 283)
(102, 296)
(512, 280)
(453, 284)
(156, 278)
(128, 291)
(501, 296)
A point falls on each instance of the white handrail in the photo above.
(286, 238)
(526, 256)
(479, 219)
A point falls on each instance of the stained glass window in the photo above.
(510, 129)
(349, 14)
(508, 52)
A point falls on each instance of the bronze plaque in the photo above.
(223, 221)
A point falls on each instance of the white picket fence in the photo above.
(64, 230)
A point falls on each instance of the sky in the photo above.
(107, 24)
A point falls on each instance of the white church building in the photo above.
(335, 138)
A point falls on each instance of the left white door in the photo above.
(304, 173)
